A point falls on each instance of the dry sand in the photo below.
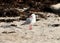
(43, 31)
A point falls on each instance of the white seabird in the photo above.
(31, 21)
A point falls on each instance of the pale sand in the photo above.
(42, 31)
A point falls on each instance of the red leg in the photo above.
(30, 27)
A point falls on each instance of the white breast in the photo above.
(33, 18)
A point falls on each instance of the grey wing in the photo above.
(28, 21)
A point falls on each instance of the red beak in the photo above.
(30, 16)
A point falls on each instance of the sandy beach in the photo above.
(44, 31)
